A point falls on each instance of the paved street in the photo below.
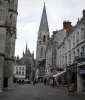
(39, 92)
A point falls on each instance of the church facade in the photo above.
(43, 37)
(8, 19)
(29, 61)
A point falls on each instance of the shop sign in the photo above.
(82, 72)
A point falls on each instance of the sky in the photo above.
(29, 16)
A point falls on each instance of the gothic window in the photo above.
(44, 38)
(41, 52)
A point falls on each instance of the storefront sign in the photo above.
(82, 72)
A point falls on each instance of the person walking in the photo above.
(71, 89)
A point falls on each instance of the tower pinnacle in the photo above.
(26, 47)
(44, 21)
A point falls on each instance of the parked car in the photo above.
(27, 81)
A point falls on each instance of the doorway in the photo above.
(5, 82)
(83, 80)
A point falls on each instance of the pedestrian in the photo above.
(34, 81)
(45, 81)
(71, 89)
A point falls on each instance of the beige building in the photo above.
(8, 19)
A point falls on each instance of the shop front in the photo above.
(81, 78)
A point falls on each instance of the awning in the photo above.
(59, 74)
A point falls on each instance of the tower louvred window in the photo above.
(44, 38)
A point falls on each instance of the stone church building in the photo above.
(8, 19)
(28, 59)
(43, 37)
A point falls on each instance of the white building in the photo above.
(71, 51)
(20, 71)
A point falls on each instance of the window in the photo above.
(66, 60)
(82, 33)
(74, 40)
(23, 73)
(41, 52)
(82, 50)
(16, 72)
(22, 68)
(69, 44)
(19, 73)
(73, 55)
(44, 38)
(69, 58)
(77, 37)
(39, 42)
(78, 52)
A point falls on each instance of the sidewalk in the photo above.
(77, 95)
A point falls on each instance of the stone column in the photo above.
(9, 61)
(8, 71)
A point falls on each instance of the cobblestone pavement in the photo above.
(39, 92)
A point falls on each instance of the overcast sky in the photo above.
(29, 15)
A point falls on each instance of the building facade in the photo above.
(43, 37)
(19, 70)
(8, 19)
(71, 52)
(29, 61)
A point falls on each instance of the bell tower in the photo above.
(43, 36)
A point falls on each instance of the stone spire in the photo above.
(23, 52)
(26, 48)
(44, 21)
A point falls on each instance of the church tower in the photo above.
(43, 37)
(3, 16)
(10, 43)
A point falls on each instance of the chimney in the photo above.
(67, 25)
(83, 13)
